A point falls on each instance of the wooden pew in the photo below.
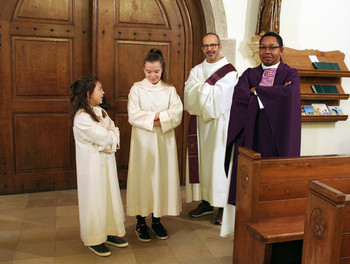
(271, 200)
(327, 223)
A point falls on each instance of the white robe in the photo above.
(100, 206)
(153, 176)
(211, 104)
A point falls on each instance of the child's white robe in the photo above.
(100, 205)
(153, 175)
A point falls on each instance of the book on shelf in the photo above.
(321, 109)
(309, 110)
(303, 111)
(324, 88)
(332, 66)
(335, 110)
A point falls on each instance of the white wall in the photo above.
(310, 24)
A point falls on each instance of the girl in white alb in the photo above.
(154, 110)
(96, 139)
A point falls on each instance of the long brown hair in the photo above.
(79, 98)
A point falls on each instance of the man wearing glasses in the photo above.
(265, 113)
(208, 98)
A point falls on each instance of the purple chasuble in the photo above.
(192, 141)
(275, 131)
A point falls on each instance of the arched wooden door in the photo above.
(125, 31)
(46, 45)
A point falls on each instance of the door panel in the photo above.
(41, 74)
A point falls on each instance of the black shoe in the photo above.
(100, 250)
(142, 232)
(159, 230)
(203, 208)
(116, 242)
(218, 219)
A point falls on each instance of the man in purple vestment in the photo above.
(265, 113)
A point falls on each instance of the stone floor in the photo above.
(43, 228)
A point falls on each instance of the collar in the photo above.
(270, 67)
(219, 63)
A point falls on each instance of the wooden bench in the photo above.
(271, 200)
(327, 223)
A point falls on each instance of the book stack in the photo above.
(321, 110)
(330, 66)
(324, 88)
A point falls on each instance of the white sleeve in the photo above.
(171, 118)
(191, 95)
(90, 131)
(137, 117)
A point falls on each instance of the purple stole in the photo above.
(268, 77)
(192, 141)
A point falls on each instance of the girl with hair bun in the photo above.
(154, 110)
(101, 212)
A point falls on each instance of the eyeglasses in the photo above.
(271, 48)
(212, 46)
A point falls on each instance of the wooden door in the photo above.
(44, 46)
(125, 31)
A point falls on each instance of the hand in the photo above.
(156, 123)
(287, 83)
(156, 117)
(252, 90)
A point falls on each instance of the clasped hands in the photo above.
(156, 122)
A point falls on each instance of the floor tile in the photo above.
(159, 255)
(6, 255)
(67, 233)
(32, 250)
(10, 225)
(35, 261)
(68, 210)
(37, 234)
(70, 248)
(84, 258)
(67, 221)
(190, 252)
(119, 255)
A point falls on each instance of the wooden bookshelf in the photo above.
(309, 76)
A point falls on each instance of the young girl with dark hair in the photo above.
(154, 110)
(96, 140)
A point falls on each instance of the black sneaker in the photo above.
(159, 230)
(201, 210)
(100, 250)
(116, 242)
(218, 219)
(142, 232)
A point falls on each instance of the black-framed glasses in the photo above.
(271, 48)
(212, 46)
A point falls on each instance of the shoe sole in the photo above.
(202, 214)
(159, 236)
(117, 245)
(142, 239)
(100, 254)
